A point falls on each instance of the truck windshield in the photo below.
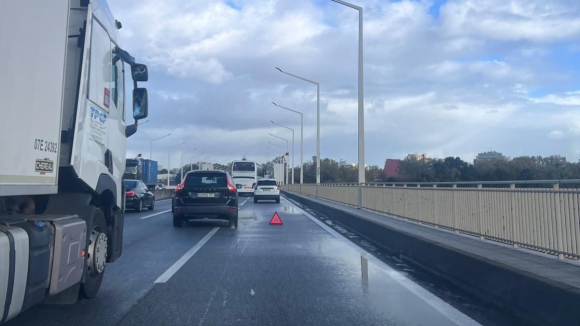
(130, 185)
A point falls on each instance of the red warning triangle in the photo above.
(276, 220)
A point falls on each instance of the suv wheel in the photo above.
(178, 221)
(278, 200)
(234, 222)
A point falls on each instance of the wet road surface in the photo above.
(300, 273)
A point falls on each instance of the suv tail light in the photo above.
(179, 187)
(130, 193)
(231, 187)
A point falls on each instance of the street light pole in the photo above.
(317, 121)
(151, 145)
(361, 109)
(292, 146)
(168, 161)
(182, 161)
(301, 142)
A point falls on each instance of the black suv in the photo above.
(205, 194)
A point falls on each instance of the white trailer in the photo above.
(205, 166)
(63, 140)
(279, 173)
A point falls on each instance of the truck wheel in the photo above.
(139, 207)
(96, 256)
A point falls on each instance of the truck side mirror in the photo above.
(139, 72)
(140, 103)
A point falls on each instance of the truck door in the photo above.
(100, 141)
(117, 141)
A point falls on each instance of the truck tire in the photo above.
(96, 256)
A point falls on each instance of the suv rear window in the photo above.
(266, 183)
(206, 180)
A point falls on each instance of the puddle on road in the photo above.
(364, 266)
(291, 210)
(247, 215)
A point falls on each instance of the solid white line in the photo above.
(178, 264)
(443, 307)
(148, 216)
(242, 204)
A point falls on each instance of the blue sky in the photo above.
(446, 78)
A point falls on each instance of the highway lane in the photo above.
(150, 246)
(294, 274)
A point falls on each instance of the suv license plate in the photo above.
(205, 195)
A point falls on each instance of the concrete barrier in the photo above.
(161, 194)
(537, 300)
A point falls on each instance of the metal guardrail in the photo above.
(546, 219)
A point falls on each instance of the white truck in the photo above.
(63, 139)
(205, 166)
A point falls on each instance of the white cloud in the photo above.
(568, 98)
(533, 20)
(175, 96)
(453, 85)
(556, 134)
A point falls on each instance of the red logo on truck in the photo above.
(107, 97)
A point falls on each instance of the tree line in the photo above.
(332, 171)
(453, 169)
(450, 169)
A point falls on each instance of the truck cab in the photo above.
(63, 138)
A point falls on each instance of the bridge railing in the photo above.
(542, 215)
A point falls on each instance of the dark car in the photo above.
(205, 194)
(137, 196)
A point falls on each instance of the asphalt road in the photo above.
(300, 273)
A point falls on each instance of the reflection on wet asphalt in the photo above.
(458, 298)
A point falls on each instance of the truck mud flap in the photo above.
(14, 252)
(116, 239)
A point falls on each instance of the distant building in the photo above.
(417, 157)
(489, 157)
(391, 167)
